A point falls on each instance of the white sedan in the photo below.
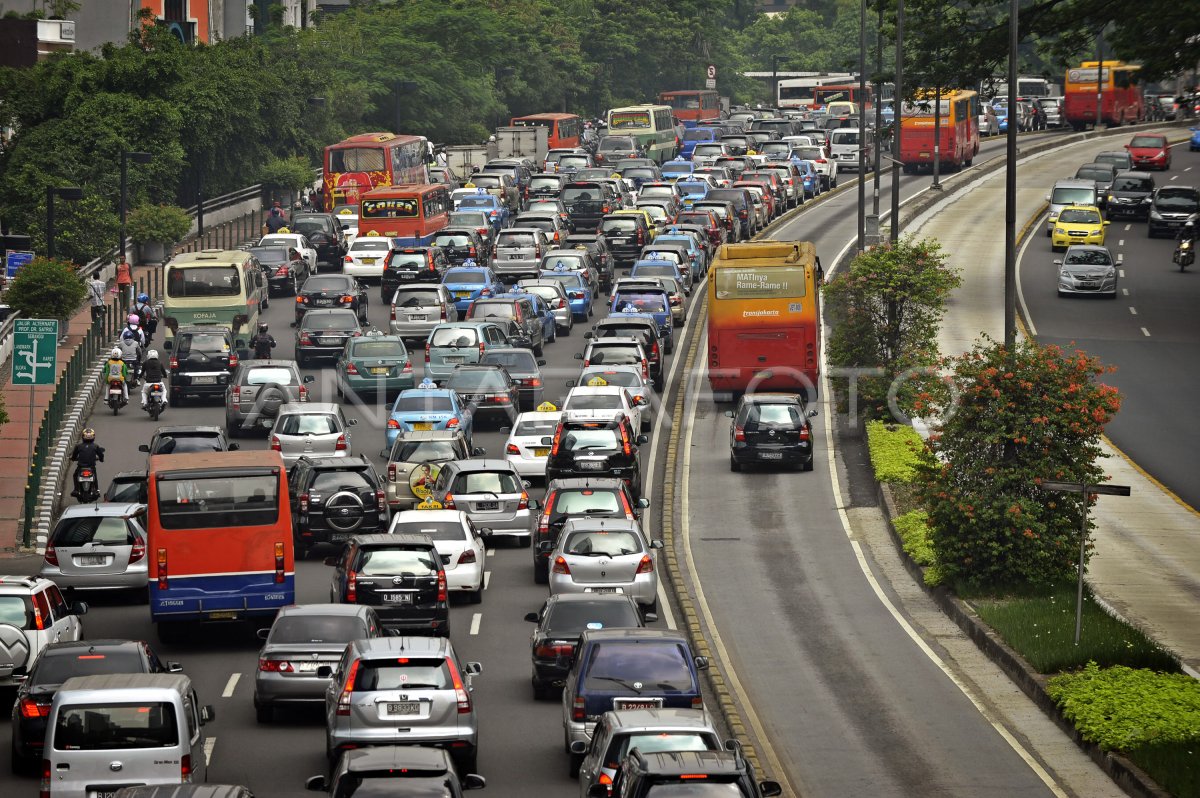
(458, 542)
(628, 377)
(367, 257)
(526, 448)
(298, 242)
(604, 401)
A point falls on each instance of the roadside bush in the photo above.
(159, 224)
(913, 529)
(286, 175)
(46, 289)
(896, 451)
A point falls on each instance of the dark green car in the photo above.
(374, 364)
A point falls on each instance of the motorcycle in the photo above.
(156, 400)
(1185, 254)
(87, 489)
(116, 396)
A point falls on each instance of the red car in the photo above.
(716, 230)
(1150, 152)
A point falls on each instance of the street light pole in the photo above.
(65, 192)
(878, 123)
(1010, 187)
(126, 157)
(899, 104)
(862, 125)
(1099, 78)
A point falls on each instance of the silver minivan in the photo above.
(419, 307)
(1069, 192)
(518, 252)
(118, 730)
(311, 429)
(843, 147)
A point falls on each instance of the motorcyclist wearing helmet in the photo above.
(145, 314)
(115, 369)
(133, 329)
(262, 343)
(85, 455)
(1187, 232)
(152, 372)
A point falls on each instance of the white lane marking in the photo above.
(1133, 310)
(1145, 332)
(1121, 272)
(209, 744)
(476, 619)
(230, 685)
(865, 567)
(1120, 257)
(1128, 227)
(487, 578)
(1020, 290)
(1187, 168)
(1174, 177)
(1125, 291)
(1121, 242)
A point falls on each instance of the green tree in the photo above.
(46, 289)
(1034, 414)
(886, 309)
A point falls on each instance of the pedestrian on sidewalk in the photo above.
(97, 289)
(124, 284)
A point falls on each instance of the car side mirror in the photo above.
(541, 362)
(331, 560)
(263, 633)
(168, 344)
(78, 608)
(643, 503)
(1107, 223)
(473, 781)
(351, 422)
(701, 663)
(479, 451)
(768, 788)
(588, 334)
(546, 546)
(307, 378)
(207, 714)
(570, 383)
(385, 454)
(174, 667)
(579, 355)
(531, 617)
(535, 504)
(233, 447)
(316, 784)
(1058, 261)
(1047, 198)
(145, 447)
(325, 672)
(650, 617)
(812, 413)
(642, 439)
(656, 544)
(547, 440)
(472, 668)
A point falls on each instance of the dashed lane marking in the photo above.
(476, 619)
(1121, 242)
(1133, 310)
(487, 578)
(209, 745)
(1125, 291)
(1121, 272)
(1128, 227)
(1145, 332)
(230, 686)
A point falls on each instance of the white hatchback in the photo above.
(367, 257)
(457, 541)
(604, 402)
(296, 241)
(525, 447)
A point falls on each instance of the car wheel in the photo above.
(475, 596)
(735, 466)
(541, 692)
(233, 429)
(301, 360)
(540, 349)
(524, 541)
(264, 713)
(174, 401)
(808, 464)
(22, 765)
(574, 764)
(468, 763)
(541, 573)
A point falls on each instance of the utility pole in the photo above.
(862, 125)
(899, 94)
(873, 227)
(1010, 187)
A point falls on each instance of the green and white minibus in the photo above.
(652, 125)
(214, 286)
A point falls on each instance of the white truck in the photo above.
(530, 143)
(466, 158)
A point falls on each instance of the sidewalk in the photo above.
(1146, 563)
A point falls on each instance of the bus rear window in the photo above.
(209, 503)
(108, 727)
(203, 281)
(773, 283)
(627, 120)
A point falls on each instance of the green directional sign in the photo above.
(35, 351)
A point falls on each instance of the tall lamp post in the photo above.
(402, 87)
(862, 126)
(126, 157)
(64, 192)
(899, 104)
(1010, 187)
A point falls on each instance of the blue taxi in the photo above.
(469, 282)
(654, 302)
(579, 290)
(696, 253)
(487, 203)
(693, 191)
(428, 407)
(677, 169)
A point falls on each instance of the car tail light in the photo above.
(351, 368)
(606, 780)
(279, 563)
(393, 312)
(654, 351)
(351, 586)
(482, 348)
(698, 702)
(646, 566)
(393, 424)
(553, 651)
(304, 502)
(485, 292)
(162, 569)
(467, 556)
(804, 434)
(348, 259)
(524, 503)
(641, 236)
(626, 444)
(452, 423)
(301, 300)
(739, 434)
(174, 363)
(275, 666)
(391, 472)
(303, 393)
(343, 703)
(233, 360)
(276, 446)
(578, 710)
(346, 300)
(557, 440)
(138, 551)
(442, 595)
(237, 393)
(44, 788)
(606, 209)
(340, 446)
(676, 300)
(645, 370)
(33, 709)
(533, 382)
(448, 502)
(407, 366)
(380, 501)
(51, 554)
(560, 566)
(305, 339)
(511, 449)
(427, 343)
(628, 508)
(460, 690)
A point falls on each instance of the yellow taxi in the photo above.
(650, 221)
(1078, 224)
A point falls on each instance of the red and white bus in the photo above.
(843, 93)
(412, 214)
(562, 130)
(692, 106)
(1122, 95)
(958, 133)
(370, 160)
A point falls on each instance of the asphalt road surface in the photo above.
(851, 701)
(1149, 332)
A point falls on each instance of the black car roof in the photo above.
(337, 463)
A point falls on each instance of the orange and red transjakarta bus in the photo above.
(412, 214)
(692, 106)
(958, 133)
(219, 537)
(1122, 101)
(562, 130)
(764, 318)
(369, 160)
(846, 93)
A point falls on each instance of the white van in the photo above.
(123, 730)
(843, 147)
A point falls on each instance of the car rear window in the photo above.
(201, 342)
(627, 224)
(493, 310)
(411, 298)
(307, 424)
(103, 530)
(337, 320)
(55, 667)
(436, 530)
(268, 375)
(593, 401)
(770, 414)
(513, 361)
(532, 427)
(581, 194)
(615, 664)
(595, 543)
(380, 561)
(333, 481)
(408, 259)
(572, 617)
(108, 727)
(515, 239)
(464, 277)
(639, 302)
(331, 283)
(487, 482)
(378, 349)
(477, 380)
(454, 336)
(1073, 196)
(545, 182)
(424, 451)
(423, 404)
(584, 501)
(402, 673)
(654, 742)
(16, 611)
(590, 439)
(317, 629)
(626, 379)
(366, 245)
(270, 254)
(453, 240)
(710, 149)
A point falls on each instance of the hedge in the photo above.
(895, 451)
(913, 529)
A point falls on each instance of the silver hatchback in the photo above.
(402, 691)
(419, 307)
(492, 494)
(606, 555)
(317, 429)
(98, 547)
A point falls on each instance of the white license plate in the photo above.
(487, 506)
(422, 317)
(591, 465)
(474, 397)
(453, 359)
(322, 303)
(629, 703)
(204, 380)
(329, 341)
(404, 708)
(515, 256)
(397, 598)
(602, 590)
(111, 793)
(380, 370)
(91, 559)
(338, 537)
(770, 455)
(306, 667)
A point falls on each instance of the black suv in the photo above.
(412, 265)
(462, 244)
(187, 438)
(596, 246)
(596, 448)
(1130, 195)
(640, 773)
(401, 576)
(635, 326)
(769, 429)
(324, 232)
(59, 662)
(202, 360)
(332, 291)
(626, 234)
(590, 497)
(587, 203)
(334, 499)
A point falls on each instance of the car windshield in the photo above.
(597, 439)
(1078, 216)
(522, 361)
(602, 543)
(464, 277)
(330, 283)
(1132, 184)
(55, 667)
(427, 403)
(570, 618)
(593, 401)
(659, 667)
(380, 349)
(426, 451)
(317, 629)
(474, 380)
(1148, 142)
(1177, 200)
(270, 375)
(436, 530)
(307, 424)
(338, 320)
(496, 482)
(378, 561)
(1088, 257)
(404, 673)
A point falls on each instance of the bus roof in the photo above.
(215, 460)
(208, 256)
(547, 115)
(761, 253)
(403, 190)
(373, 138)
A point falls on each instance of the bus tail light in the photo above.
(343, 704)
(442, 594)
(279, 563)
(560, 566)
(340, 446)
(646, 566)
(351, 588)
(162, 569)
(137, 552)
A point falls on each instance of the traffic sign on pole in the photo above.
(710, 83)
(712, 72)
(35, 351)
(14, 260)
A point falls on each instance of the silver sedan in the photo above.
(606, 555)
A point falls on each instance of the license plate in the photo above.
(474, 397)
(462, 294)
(380, 370)
(223, 615)
(322, 303)
(423, 425)
(591, 465)
(487, 506)
(397, 598)
(338, 537)
(770, 455)
(328, 341)
(306, 667)
(602, 590)
(368, 261)
(618, 240)
(619, 703)
(422, 317)
(541, 452)
(110, 793)
(91, 559)
(204, 380)
(404, 708)
(515, 256)
(453, 359)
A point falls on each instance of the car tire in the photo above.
(541, 573)
(233, 429)
(301, 360)
(734, 465)
(541, 692)
(468, 763)
(475, 596)
(174, 401)
(23, 766)
(573, 765)
(651, 607)
(264, 713)
(808, 464)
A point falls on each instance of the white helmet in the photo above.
(116, 352)
(152, 354)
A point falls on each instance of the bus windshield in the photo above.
(358, 159)
(203, 281)
(209, 503)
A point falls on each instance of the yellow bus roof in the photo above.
(758, 253)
